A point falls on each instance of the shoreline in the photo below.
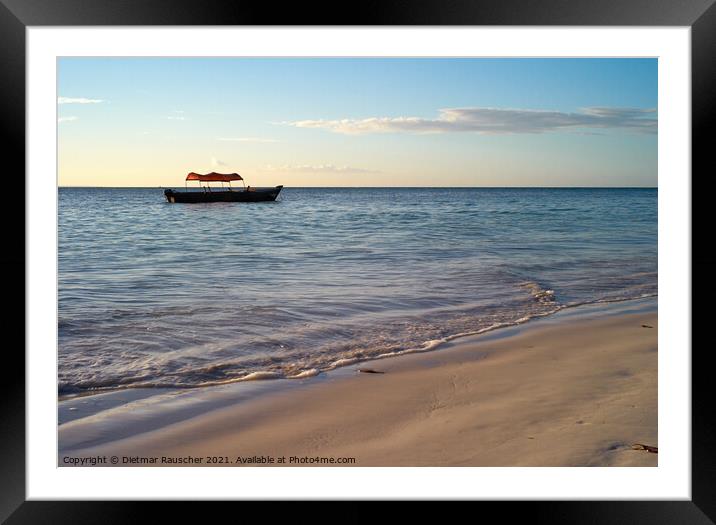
(266, 376)
(459, 390)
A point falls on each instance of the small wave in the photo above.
(288, 370)
(608, 300)
(434, 343)
(539, 294)
(253, 376)
(306, 373)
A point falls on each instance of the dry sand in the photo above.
(572, 390)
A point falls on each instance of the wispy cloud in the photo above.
(216, 162)
(79, 100)
(320, 168)
(245, 139)
(496, 121)
(177, 114)
(66, 119)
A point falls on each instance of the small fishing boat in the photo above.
(206, 193)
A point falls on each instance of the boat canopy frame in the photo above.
(214, 177)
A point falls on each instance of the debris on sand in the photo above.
(370, 371)
(648, 448)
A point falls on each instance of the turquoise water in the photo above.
(153, 294)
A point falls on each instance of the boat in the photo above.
(224, 194)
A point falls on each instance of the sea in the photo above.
(153, 294)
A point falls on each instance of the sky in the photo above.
(358, 121)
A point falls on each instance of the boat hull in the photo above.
(251, 195)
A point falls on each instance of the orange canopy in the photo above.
(214, 177)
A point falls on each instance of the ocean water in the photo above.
(153, 294)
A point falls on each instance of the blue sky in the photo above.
(359, 121)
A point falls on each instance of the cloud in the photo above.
(321, 168)
(245, 139)
(70, 100)
(178, 114)
(216, 162)
(496, 121)
(66, 119)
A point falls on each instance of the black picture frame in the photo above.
(699, 15)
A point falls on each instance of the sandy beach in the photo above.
(578, 388)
